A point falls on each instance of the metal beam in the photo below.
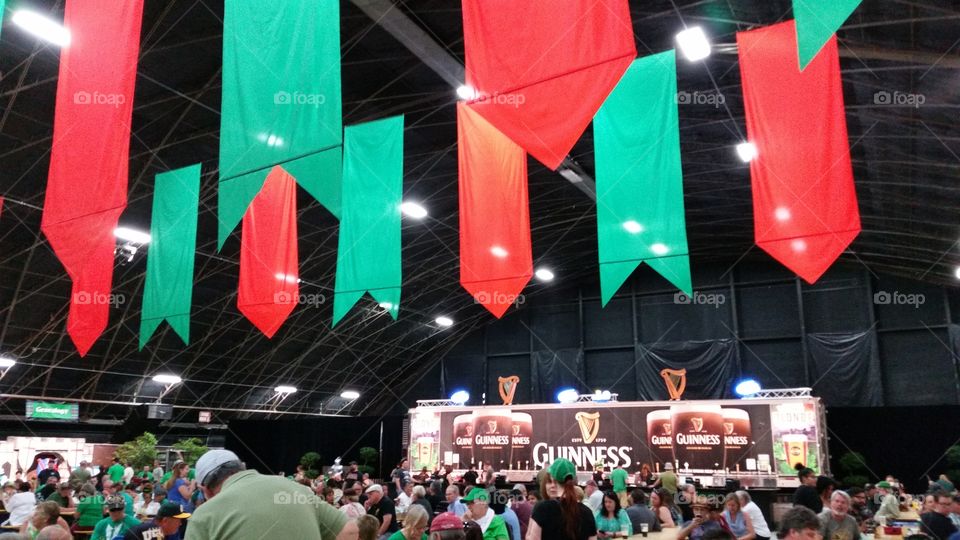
(921, 58)
(386, 14)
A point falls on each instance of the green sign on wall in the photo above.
(42, 410)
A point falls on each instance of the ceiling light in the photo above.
(131, 235)
(386, 305)
(693, 44)
(286, 390)
(6, 362)
(498, 251)
(782, 213)
(632, 227)
(166, 378)
(568, 395)
(42, 27)
(601, 396)
(957, 272)
(460, 397)
(747, 387)
(747, 151)
(466, 92)
(444, 321)
(350, 394)
(544, 274)
(659, 249)
(413, 210)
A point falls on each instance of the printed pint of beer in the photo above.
(698, 436)
(492, 432)
(737, 436)
(463, 439)
(660, 436)
(424, 453)
(521, 438)
(795, 448)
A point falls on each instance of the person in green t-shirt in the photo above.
(619, 480)
(116, 524)
(479, 511)
(62, 496)
(667, 479)
(90, 507)
(414, 525)
(115, 472)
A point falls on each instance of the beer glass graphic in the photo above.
(737, 436)
(463, 439)
(424, 455)
(660, 436)
(492, 432)
(698, 435)
(522, 439)
(795, 448)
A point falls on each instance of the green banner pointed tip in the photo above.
(612, 276)
(168, 287)
(343, 302)
(388, 296)
(817, 21)
(233, 198)
(321, 175)
(676, 270)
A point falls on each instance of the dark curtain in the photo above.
(553, 370)
(845, 369)
(464, 372)
(711, 367)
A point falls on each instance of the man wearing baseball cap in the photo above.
(478, 510)
(381, 507)
(447, 526)
(117, 523)
(245, 504)
(165, 525)
(889, 504)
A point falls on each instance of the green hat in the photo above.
(884, 484)
(476, 494)
(561, 469)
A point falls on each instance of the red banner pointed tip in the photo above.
(497, 296)
(810, 256)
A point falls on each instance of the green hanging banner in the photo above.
(281, 102)
(173, 242)
(2, 12)
(368, 257)
(817, 21)
(640, 215)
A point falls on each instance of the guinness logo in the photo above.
(589, 425)
(516, 429)
(491, 426)
(667, 428)
(508, 387)
(728, 428)
(676, 381)
(697, 424)
(468, 429)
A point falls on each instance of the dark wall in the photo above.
(908, 352)
(272, 446)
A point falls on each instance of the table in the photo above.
(669, 534)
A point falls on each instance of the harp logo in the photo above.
(589, 425)
(516, 430)
(697, 424)
(491, 426)
(728, 428)
(508, 387)
(676, 381)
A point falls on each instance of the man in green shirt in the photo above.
(667, 479)
(247, 504)
(116, 524)
(619, 479)
(80, 475)
(478, 510)
(62, 496)
(115, 472)
(890, 504)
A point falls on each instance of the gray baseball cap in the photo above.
(211, 461)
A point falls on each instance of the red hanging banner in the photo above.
(495, 254)
(804, 200)
(87, 187)
(269, 268)
(540, 70)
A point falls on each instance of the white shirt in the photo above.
(127, 475)
(403, 502)
(756, 517)
(595, 501)
(20, 507)
(149, 510)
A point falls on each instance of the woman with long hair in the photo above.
(738, 521)
(560, 516)
(414, 525)
(612, 521)
(645, 476)
(178, 489)
(660, 504)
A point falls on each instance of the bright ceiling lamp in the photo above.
(285, 390)
(544, 274)
(131, 235)
(568, 395)
(601, 396)
(350, 394)
(166, 378)
(693, 44)
(466, 92)
(747, 151)
(957, 272)
(746, 388)
(413, 210)
(445, 322)
(42, 27)
(7, 362)
(460, 397)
